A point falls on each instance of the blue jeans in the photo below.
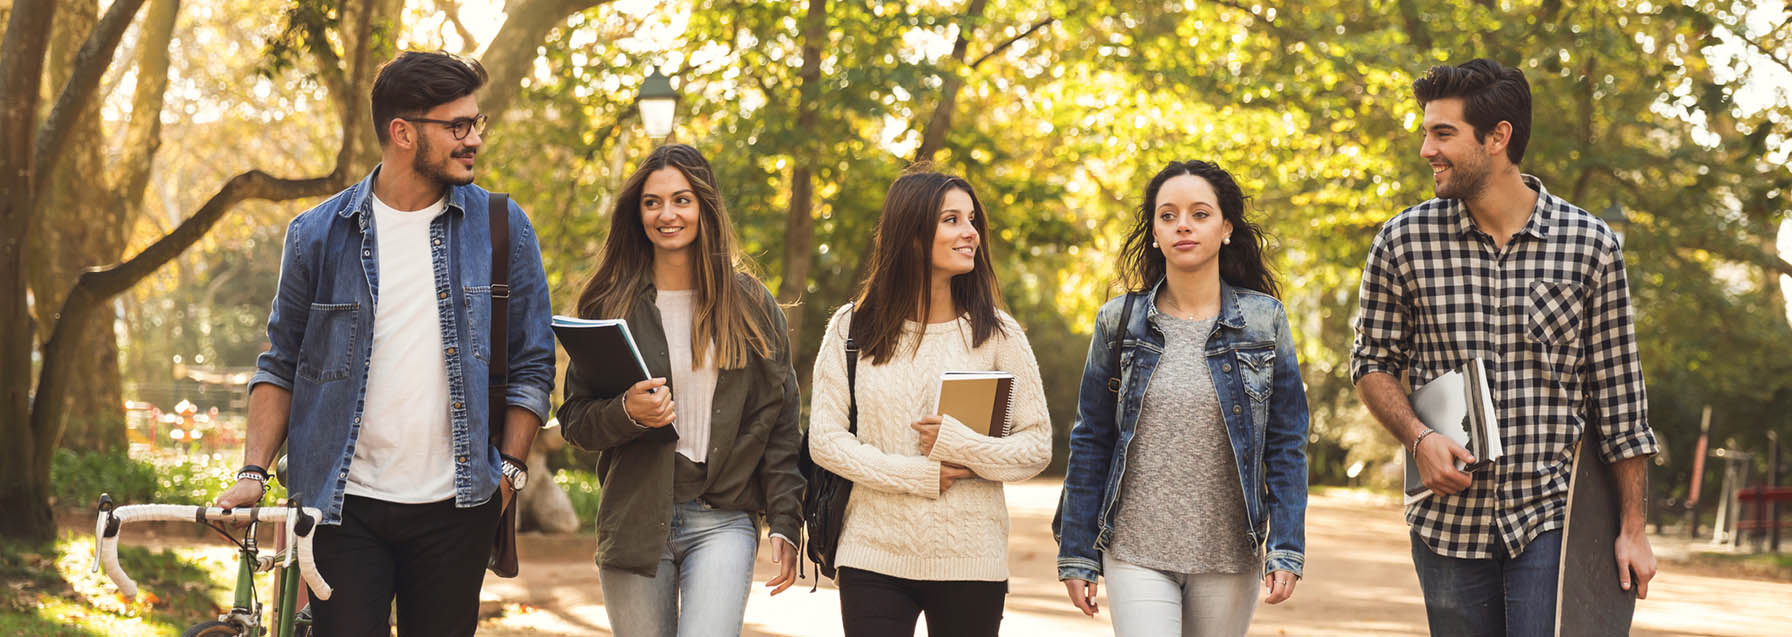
(708, 562)
(1504, 595)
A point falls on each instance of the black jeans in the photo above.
(430, 557)
(878, 605)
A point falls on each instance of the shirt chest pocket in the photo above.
(1553, 312)
(1257, 369)
(478, 306)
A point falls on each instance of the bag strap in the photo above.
(1119, 337)
(498, 211)
(852, 372)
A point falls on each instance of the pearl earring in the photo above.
(1227, 240)
(1153, 244)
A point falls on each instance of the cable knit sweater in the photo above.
(898, 523)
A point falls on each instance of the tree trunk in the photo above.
(799, 219)
(78, 226)
(934, 136)
(24, 477)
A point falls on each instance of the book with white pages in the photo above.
(982, 401)
(1459, 405)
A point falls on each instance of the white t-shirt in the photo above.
(405, 452)
(693, 388)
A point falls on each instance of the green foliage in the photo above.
(49, 590)
(167, 477)
(583, 489)
(78, 478)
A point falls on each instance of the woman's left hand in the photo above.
(1278, 587)
(784, 555)
(929, 428)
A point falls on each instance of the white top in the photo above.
(405, 452)
(693, 389)
(898, 523)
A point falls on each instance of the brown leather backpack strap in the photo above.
(499, 213)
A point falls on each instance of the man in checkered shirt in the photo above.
(1497, 268)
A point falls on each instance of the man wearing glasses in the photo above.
(378, 368)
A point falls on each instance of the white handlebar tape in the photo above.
(107, 547)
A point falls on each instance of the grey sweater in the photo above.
(1181, 503)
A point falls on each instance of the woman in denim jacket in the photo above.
(1176, 488)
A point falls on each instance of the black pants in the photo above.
(430, 557)
(878, 605)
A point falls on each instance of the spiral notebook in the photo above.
(980, 400)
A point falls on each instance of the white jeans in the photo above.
(708, 562)
(1146, 602)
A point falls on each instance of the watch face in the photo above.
(516, 481)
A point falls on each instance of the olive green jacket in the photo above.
(754, 441)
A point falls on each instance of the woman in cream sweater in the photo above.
(926, 529)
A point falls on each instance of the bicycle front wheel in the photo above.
(212, 629)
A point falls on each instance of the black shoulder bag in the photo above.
(824, 498)
(503, 558)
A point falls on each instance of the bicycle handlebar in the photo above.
(299, 535)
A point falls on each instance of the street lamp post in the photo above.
(659, 105)
(1614, 217)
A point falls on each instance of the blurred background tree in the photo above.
(1673, 117)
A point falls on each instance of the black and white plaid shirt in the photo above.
(1550, 315)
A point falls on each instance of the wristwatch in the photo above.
(516, 472)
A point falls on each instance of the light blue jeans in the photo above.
(707, 563)
(1146, 602)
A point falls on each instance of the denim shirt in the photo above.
(321, 325)
(1262, 398)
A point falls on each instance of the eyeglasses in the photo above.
(459, 127)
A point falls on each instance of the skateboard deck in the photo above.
(1589, 602)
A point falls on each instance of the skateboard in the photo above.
(1589, 602)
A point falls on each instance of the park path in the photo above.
(1359, 582)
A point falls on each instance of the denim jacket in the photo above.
(322, 324)
(1257, 378)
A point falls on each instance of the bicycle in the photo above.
(245, 616)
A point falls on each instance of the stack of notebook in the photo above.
(604, 350)
(1459, 405)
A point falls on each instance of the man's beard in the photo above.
(423, 165)
(1467, 181)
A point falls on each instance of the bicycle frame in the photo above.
(246, 610)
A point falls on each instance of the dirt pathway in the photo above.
(1359, 581)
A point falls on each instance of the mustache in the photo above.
(464, 152)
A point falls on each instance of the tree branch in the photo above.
(513, 49)
(143, 136)
(1010, 41)
(95, 287)
(451, 8)
(1766, 51)
(90, 65)
(934, 136)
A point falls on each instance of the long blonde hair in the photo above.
(723, 314)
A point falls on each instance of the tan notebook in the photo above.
(980, 400)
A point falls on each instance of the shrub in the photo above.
(582, 488)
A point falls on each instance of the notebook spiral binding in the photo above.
(1008, 416)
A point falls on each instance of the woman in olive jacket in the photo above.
(693, 459)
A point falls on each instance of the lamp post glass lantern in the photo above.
(659, 105)
(1613, 216)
